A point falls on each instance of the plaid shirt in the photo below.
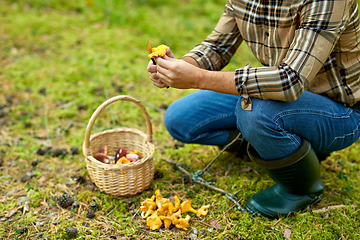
(303, 45)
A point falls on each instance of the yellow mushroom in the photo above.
(167, 221)
(175, 216)
(154, 222)
(122, 160)
(182, 223)
(148, 207)
(159, 51)
(160, 200)
(166, 209)
(186, 207)
(177, 203)
(203, 210)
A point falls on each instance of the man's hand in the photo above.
(178, 73)
(152, 69)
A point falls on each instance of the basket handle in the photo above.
(104, 105)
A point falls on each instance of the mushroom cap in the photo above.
(122, 160)
(154, 222)
(158, 51)
(121, 152)
(136, 152)
(186, 207)
(102, 149)
(148, 207)
(177, 203)
(132, 157)
(102, 157)
(166, 209)
(182, 223)
(203, 210)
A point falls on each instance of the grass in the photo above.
(60, 60)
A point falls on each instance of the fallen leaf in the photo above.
(215, 223)
(52, 228)
(248, 169)
(287, 233)
(121, 238)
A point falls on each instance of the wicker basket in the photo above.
(126, 179)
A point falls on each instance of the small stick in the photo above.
(135, 214)
(110, 212)
(207, 166)
(196, 181)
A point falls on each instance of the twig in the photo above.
(44, 136)
(328, 208)
(135, 214)
(66, 129)
(222, 150)
(230, 209)
(197, 181)
(11, 220)
(110, 212)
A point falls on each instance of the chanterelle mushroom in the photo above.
(177, 203)
(203, 210)
(160, 200)
(148, 207)
(182, 223)
(122, 160)
(166, 209)
(186, 207)
(167, 221)
(154, 222)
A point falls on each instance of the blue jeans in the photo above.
(273, 128)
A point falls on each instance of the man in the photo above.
(299, 105)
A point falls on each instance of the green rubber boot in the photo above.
(298, 183)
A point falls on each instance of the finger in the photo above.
(164, 62)
(154, 76)
(169, 53)
(159, 84)
(151, 67)
(163, 78)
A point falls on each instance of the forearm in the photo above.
(217, 81)
(191, 61)
(214, 80)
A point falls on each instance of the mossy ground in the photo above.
(60, 60)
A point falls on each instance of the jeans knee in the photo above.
(174, 121)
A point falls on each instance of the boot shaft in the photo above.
(299, 173)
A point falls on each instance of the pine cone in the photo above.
(90, 213)
(65, 201)
(71, 232)
(94, 206)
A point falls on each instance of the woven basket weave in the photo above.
(125, 179)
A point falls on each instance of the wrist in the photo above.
(202, 79)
